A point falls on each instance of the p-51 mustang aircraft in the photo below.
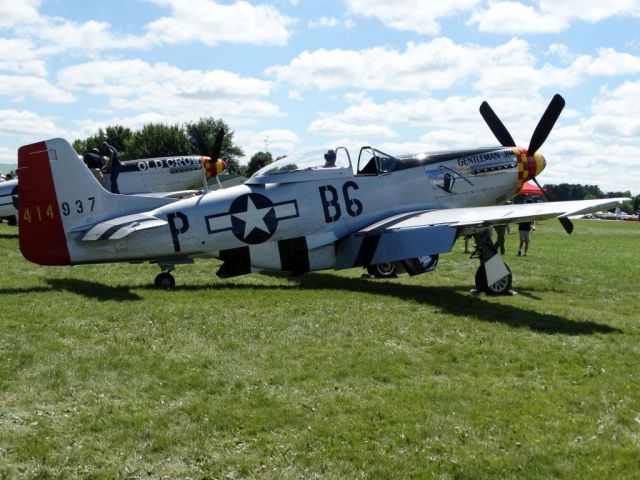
(163, 175)
(306, 212)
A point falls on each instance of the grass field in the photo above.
(327, 375)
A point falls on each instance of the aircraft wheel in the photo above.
(501, 287)
(383, 270)
(165, 281)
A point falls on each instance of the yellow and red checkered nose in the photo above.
(213, 168)
(529, 166)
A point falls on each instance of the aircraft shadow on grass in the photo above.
(455, 300)
(95, 290)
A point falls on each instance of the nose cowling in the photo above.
(529, 166)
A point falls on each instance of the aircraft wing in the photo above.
(120, 227)
(430, 232)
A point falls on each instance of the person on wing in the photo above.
(95, 162)
(114, 165)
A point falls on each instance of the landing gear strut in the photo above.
(493, 275)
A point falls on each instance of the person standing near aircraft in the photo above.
(114, 165)
(500, 231)
(524, 229)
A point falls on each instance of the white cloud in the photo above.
(131, 77)
(323, 22)
(330, 22)
(201, 21)
(278, 142)
(332, 127)
(211, 23)
(19, 56)
(453, 122)
(135, 85)
(414, 15)
(8, 156)
(23, 11)
(425, 66)
(25, 124)
(507, 69)
(516, 18)
(550, 16)
(21, 86)
(589, 10)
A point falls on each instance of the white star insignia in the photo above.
(253, 218)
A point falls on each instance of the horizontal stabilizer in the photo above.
(120, 227)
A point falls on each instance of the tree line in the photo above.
(161, 140)
(576, 191)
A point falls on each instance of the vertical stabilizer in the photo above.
(59, 198)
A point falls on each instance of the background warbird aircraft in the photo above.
(306, 212)
(170, 176)
(8, 198)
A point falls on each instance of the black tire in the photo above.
(501, 287)
(383, 270)
(165, 281)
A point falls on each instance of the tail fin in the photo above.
(58, 197)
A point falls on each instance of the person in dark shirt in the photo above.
(114, 165)
(524, 229)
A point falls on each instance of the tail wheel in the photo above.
(383, 270)
(501, 287)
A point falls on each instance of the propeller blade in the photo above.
(202, 147)
(217, 146)
(566, 223)
(546, 123)
(496, 126)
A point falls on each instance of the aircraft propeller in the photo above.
(214, 154)
(540, 134)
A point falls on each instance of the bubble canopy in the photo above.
(316, 161)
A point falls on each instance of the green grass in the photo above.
(327, 375)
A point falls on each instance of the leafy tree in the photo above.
(259, 160)
(158, 140)
(208, 128)
(116, 135)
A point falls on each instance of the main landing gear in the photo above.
(164, 281)
(383, 270)
(493, 276)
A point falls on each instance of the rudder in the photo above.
(42, 237)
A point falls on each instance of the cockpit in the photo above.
(325, 163)
(316, 164)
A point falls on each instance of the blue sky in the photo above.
(404, 76)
